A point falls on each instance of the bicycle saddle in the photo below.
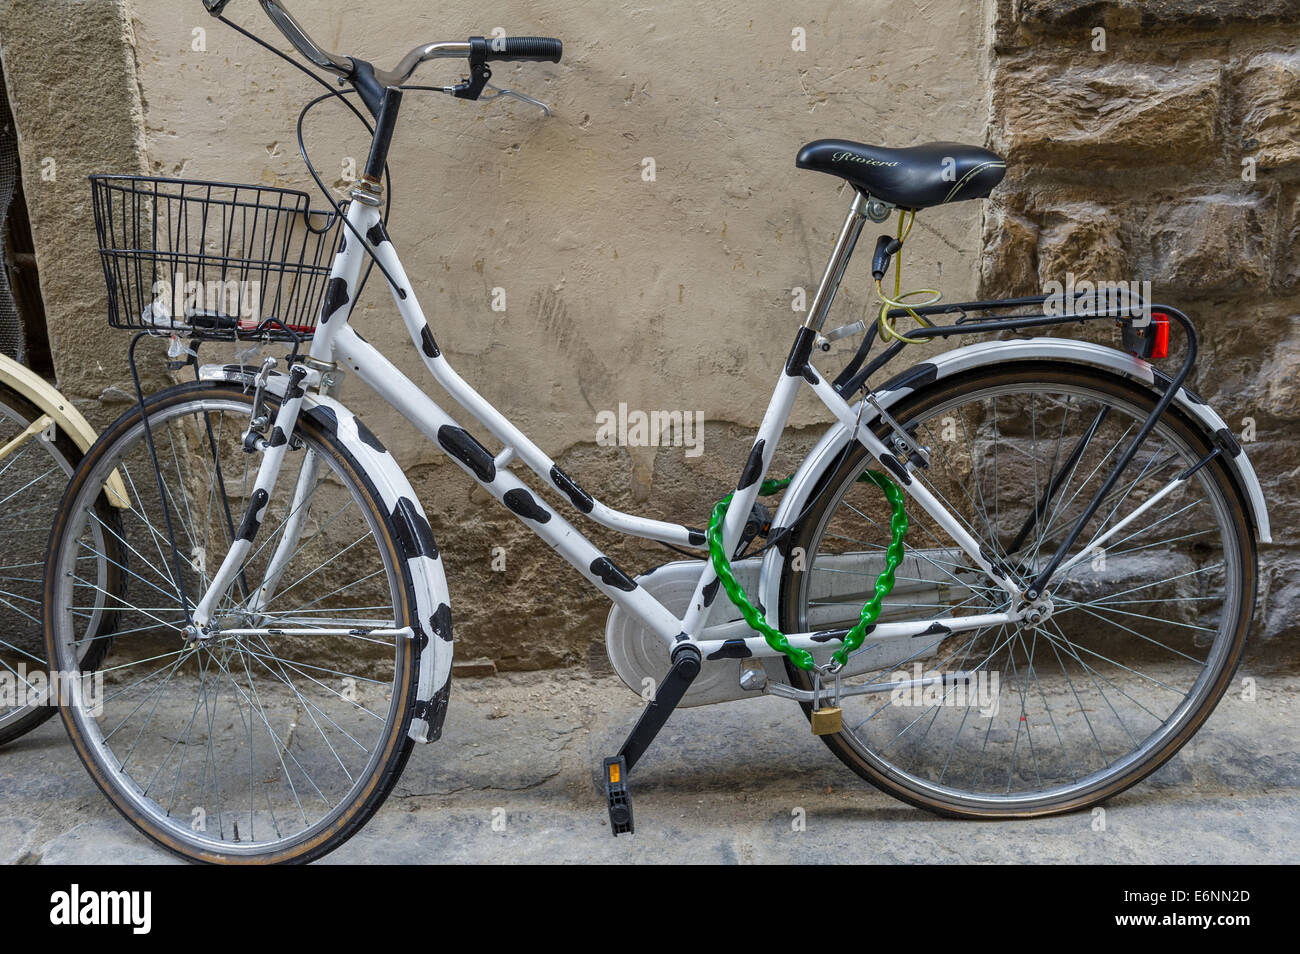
(913, 178)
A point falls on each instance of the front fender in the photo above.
(953, 362)
(432, 625)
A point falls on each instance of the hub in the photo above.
(1038, 611)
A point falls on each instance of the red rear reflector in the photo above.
(1160, 329)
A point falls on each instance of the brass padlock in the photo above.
(827, 721)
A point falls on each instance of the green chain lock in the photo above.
(870, 610)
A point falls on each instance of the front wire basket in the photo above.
(212, 260)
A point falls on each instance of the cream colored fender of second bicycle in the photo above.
(48, 399)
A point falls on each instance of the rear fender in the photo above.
(823, 455)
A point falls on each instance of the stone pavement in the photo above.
(721, 785)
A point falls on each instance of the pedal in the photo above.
(685, 667)
(827, 721)
(617, 799)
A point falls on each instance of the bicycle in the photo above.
(282, 647)
(42, 439)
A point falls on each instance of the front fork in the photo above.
(273, 450)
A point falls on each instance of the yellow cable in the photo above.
(885, 324)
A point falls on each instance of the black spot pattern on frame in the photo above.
(753, 466)
(732, 649)
(336, 296)
(936, 629)
(440, 622)
(603, 568)
(569, 487)
(252, 521)
(427, 344)
(525, 505)
(826, 635)
(798, 360)
(277, 437)
(990, 557)
(460, 444)
(414, 535)
(294, 388)
(711, 591)
(377, 235)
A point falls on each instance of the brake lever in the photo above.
(498, 92)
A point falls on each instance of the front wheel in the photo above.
(1144, 635)
(236, 746)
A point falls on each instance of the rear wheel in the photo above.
(237, 747)
(1144, 634)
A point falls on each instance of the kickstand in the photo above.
(685, 667)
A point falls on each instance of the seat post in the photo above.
(839, 261)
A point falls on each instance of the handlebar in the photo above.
(540, 49)
(477, 49)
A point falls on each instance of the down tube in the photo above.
(499, 426)
(477, 461)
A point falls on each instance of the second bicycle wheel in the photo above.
(236, 747)
(1145, 633)
(36, 460)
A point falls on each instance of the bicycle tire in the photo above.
(888, 777)
(393, 745)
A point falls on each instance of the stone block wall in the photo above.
(1160, 141)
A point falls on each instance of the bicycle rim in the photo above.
(266, 747)
(33, 475)
(1145, 632)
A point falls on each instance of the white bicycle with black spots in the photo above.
(1069, 603)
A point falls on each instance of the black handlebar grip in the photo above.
(536, 48)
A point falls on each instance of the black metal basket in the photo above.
(212, 260)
